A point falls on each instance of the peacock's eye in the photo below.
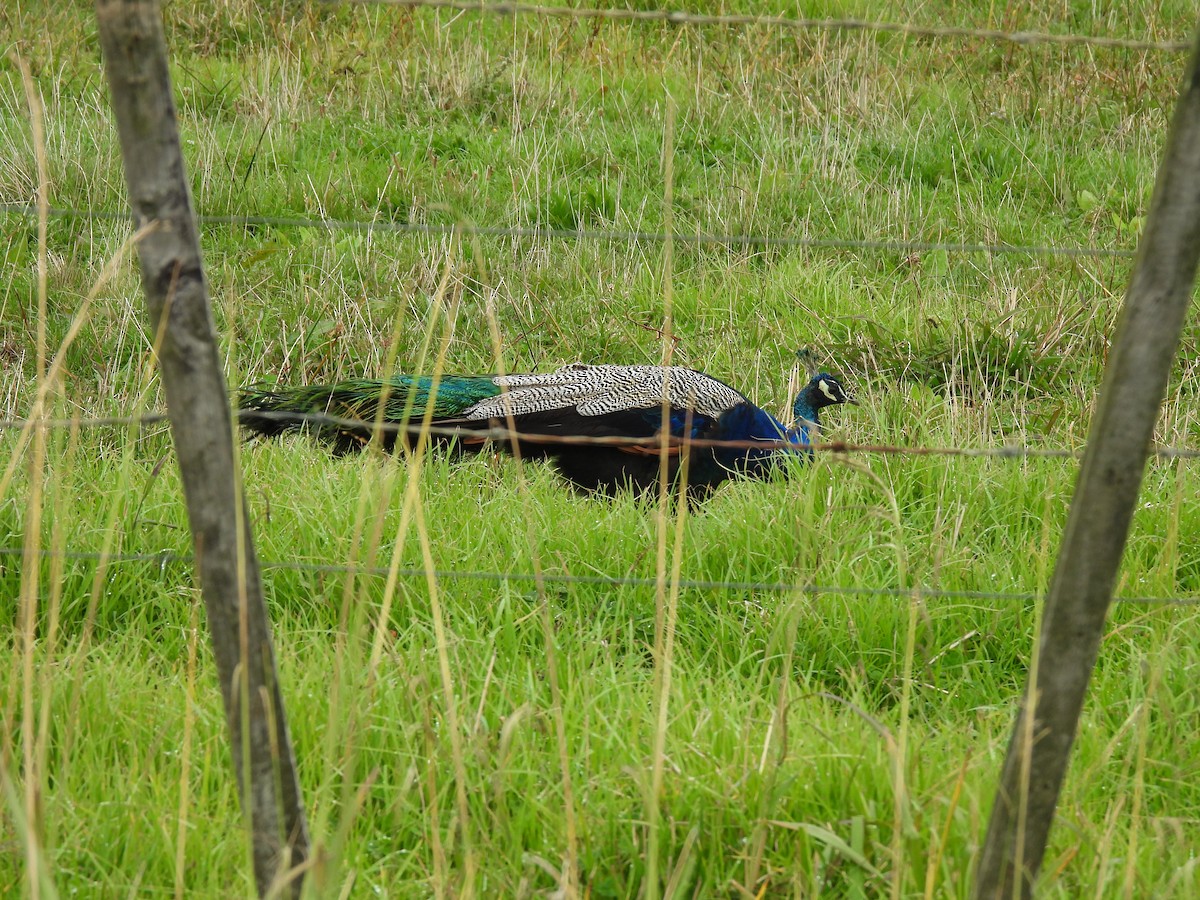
(824, 386)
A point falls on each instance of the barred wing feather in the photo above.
(607, 389)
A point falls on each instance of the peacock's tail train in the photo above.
(405, 398)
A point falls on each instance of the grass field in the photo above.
(813, 744)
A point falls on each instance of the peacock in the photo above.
(622, 404)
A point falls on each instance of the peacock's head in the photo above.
(824, 390)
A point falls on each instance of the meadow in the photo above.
(756, 738)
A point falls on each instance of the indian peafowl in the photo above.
(622, 403)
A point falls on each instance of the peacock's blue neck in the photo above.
(805, 419)
(804, 411)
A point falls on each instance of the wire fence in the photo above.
(676, 18)
(682, 17)
(29, 210)
(166, 559)
(502, 435)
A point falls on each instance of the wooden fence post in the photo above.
(1110, 477)
(135, 61)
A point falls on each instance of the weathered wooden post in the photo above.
(1110, 477)
(135, 58)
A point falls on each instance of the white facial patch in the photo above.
(824, 386)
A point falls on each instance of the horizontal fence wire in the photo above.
(29, 210)
(682, 17)
(166, 559)
(647, 444)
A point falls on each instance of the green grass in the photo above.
(817, 744)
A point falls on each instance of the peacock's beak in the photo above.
(852, 401)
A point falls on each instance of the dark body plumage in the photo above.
(581, 401)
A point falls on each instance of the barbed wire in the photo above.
(166, 558)
(604, 235)
(90, 422)
(500, 434)
(681, 17)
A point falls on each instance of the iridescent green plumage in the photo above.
(405, 398)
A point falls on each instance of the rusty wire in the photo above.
(499, 433)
